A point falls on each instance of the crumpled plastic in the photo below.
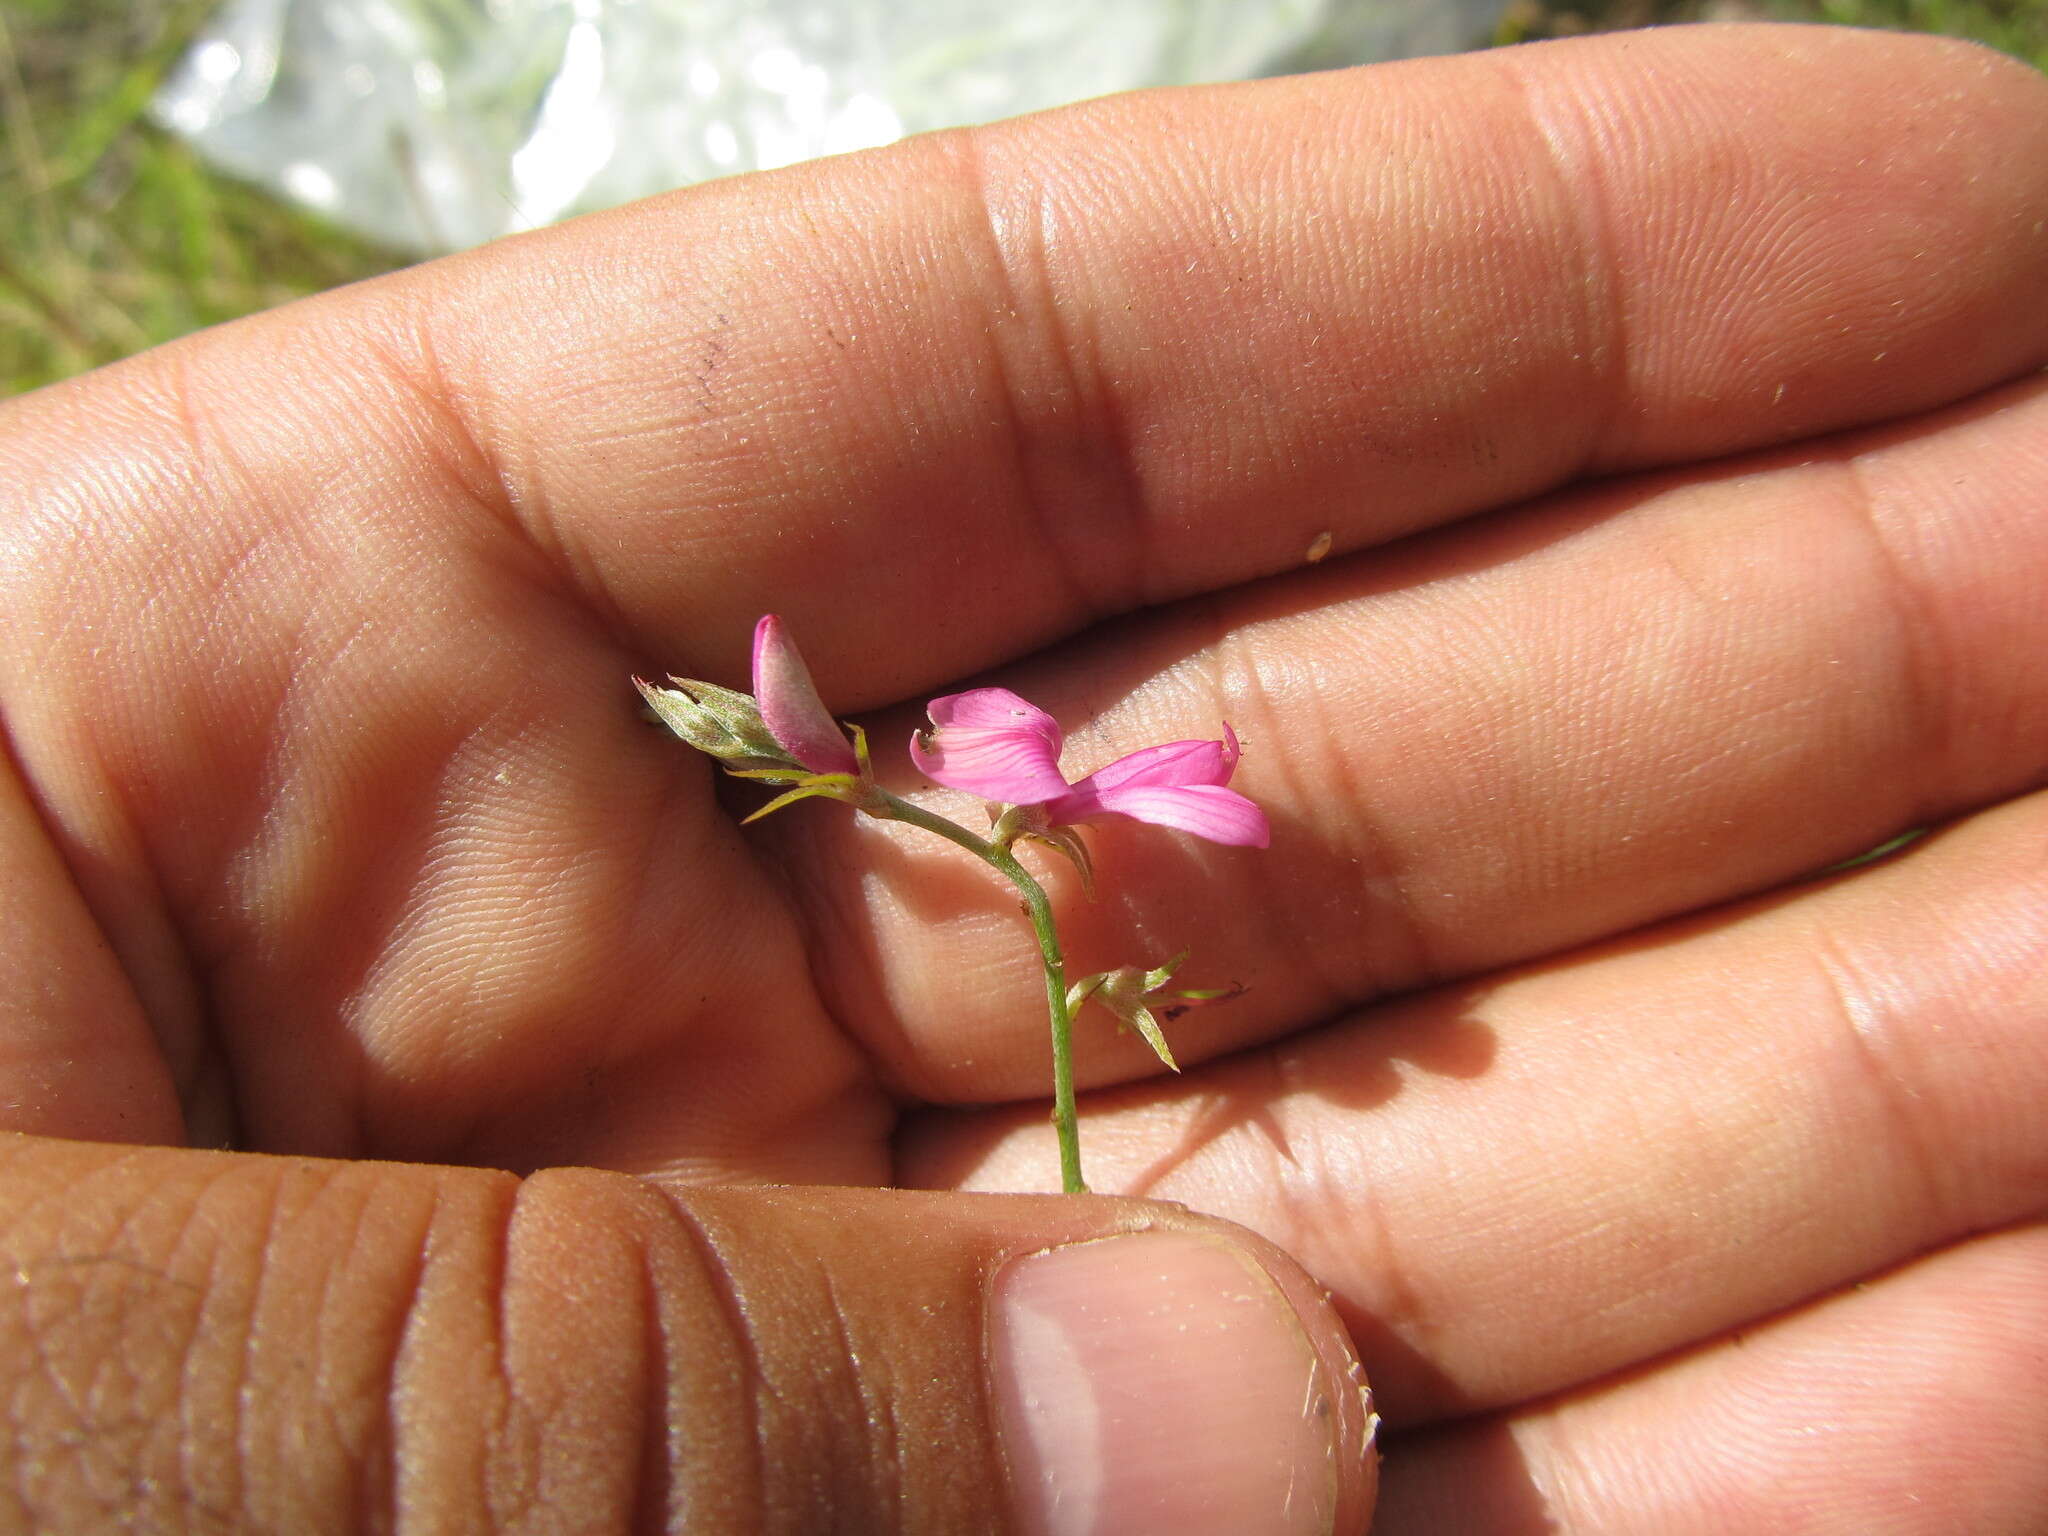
(430, 125)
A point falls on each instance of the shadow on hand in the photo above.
(1487, 1490)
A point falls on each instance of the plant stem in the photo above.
(1038, 907)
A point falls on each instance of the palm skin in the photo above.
(1658, 397)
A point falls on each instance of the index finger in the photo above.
(941, 403)
(1015, 380)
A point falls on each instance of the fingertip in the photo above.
(1176, 1381)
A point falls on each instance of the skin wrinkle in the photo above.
(563, 572)
(830, 917)
(523, 1470)
(1886, 1253)
(428, 884)
(506, 1412)
(1859, 1029)
(1567, 1477)
(750, 1490)
(480, 478)
(656, 1508)
(443, 438)
(384, 910)
(1234, 683)
(395, 1483)
(174, 1002)
(447, 436)
(45, 1366)
(1305, 1196)
(190, 1457)
(252, 1424)
(1016, 252)
(16, 784)
(861, 1085)
(371, 1460)
(816, 911)
(421, 922)
(883, 1443)
(1374, 853)
(1383, 857)
(861, 1098)
(1075, 345)
(1395, 1309)
(1002, 306)
(1236, 659)
(1932, 722)
(277, 792)
(1580, 185)
(90, 1270)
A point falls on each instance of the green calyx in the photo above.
(722, 723)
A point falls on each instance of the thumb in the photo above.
(263, 1343)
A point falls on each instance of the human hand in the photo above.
(333, 832)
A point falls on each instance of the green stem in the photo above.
(1038, 907)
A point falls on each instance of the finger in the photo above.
(1528, 1182)
(1497, 742)
(1020, 378)
(305, 1346)
(1909, 1405)
(1088, 361)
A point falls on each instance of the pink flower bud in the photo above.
(790, 707)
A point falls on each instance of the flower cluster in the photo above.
(991, 743)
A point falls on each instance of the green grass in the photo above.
(117, 237)
(2019, 27)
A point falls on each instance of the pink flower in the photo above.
(990, 742)
(790, 707)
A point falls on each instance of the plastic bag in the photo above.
(429, 125)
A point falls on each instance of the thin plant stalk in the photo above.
(1038, 906)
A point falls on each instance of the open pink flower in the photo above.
(990, 742)
(790, 707)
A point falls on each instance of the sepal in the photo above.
(722, 723)
(1139, 1000)
(844, 787)
(1029, 823)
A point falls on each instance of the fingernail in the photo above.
(1161, 1382)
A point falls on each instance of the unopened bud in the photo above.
(721, 722)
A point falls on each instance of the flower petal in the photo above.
(990, 742)
(790, 706)
(1171, 762)
(1206, 810)
(995, 709)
